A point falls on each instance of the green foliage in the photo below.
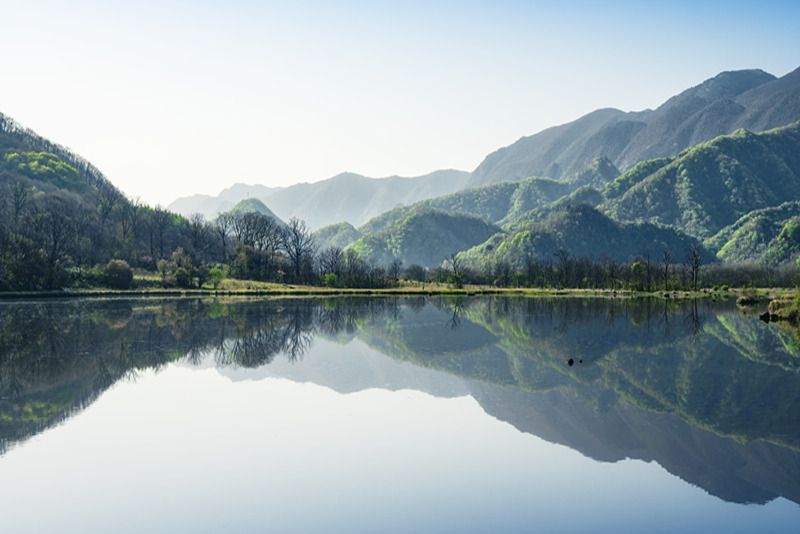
(216, 275)
(456, 280)
(755, 237)
(424, 237)
(581, 231)
(791, 231)
(48, 168)
(339, 235)
(118, 274)
(331, 280)
(710, 186)
(491, 202)
(599, 173)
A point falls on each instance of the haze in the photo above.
(172, 98)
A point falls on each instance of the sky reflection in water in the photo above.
(194, 448)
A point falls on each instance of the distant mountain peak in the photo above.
(249, 205)
(729, 84)
(752, 99)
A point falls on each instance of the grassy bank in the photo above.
(230, 287)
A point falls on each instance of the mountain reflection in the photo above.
(710, 394)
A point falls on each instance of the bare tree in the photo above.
(158, 223)
(198, 232)
(648, 269)
(564, 263)
(128, 217)
(222, 225)
(502, 273)
(331, 261)
(108, 198)
(694, 259)
(395, 269)
(666, 261)
(20, 194)
(613, 271)
(266, 234)
(239, 224)
(354, 266)
(51, 226)
(298, 243)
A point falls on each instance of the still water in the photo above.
(396, 415)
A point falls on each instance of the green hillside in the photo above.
(491, 202)
(47, 168)
(581, 230)
(712, 185)
(426, 237)
(339, 235)
(760, 236)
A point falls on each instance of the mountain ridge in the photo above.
(360, 198)
(751, 99)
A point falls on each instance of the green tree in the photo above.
(118, 274)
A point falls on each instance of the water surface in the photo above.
(396, 415)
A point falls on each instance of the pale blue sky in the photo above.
(170, 98)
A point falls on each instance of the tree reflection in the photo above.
(71, 351)
(694, 320)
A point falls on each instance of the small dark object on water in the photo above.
(570, 362)
(765, 317)
(580, 361)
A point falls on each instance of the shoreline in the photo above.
(762, 295)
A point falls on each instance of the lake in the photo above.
(440, 414)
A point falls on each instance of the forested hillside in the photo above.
(425, 237)
(710, 186)
(581, 230)
(770, 235)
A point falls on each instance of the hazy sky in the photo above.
(170, 98)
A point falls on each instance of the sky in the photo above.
(171, 98)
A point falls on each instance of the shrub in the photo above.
(216, 275)
(119, 274)
(331, 280)
(183, 278)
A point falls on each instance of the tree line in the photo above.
(52, 238)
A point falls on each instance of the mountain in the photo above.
(425, 236)
(768, 235)
(253, 204)
(211, 206)
(670, 203)
(45, 161)
(750, 99)
(503, 202)
(581, 231)
(345, 197)
(338, 235)
(706, 188)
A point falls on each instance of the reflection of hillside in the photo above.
(754, 473)
(673, 370)
(632, 352)
(648, 378)
(750, 339)
(58, 357)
